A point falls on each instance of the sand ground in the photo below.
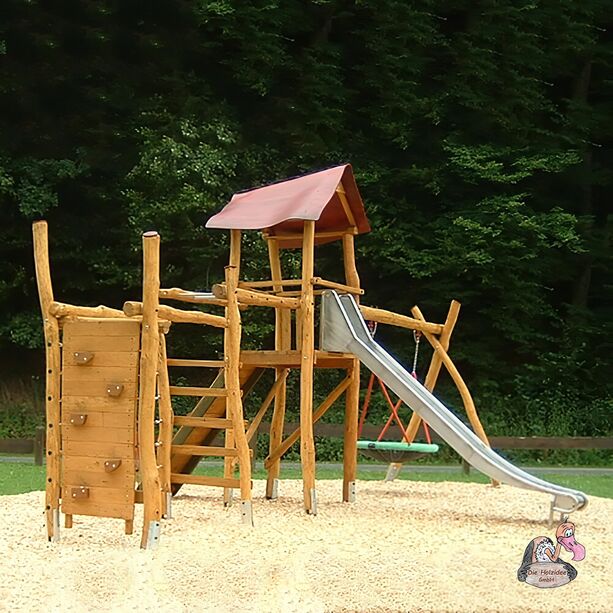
(403, 546)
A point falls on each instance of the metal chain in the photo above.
(417, 337)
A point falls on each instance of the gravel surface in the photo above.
(404, 546)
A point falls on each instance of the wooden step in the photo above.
(201, 392)
(195, 363)
(213, 423)
(204, 480)
(201, 450)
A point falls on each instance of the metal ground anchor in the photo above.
(153, 535)
(247, 512)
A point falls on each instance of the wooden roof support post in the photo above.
(52, 379)
(307, 348)
(234, 402)
(283, 342)
(152, 503)
(435, 365)
(352, 396)
(228, 465)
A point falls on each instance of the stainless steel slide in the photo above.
(343, 329)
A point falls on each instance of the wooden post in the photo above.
(435, 364)
(317, 415)
(52, 378)
(228, 465)
(469, 404)
(234, 402)
(164, 451)
(352, 396)
(152, 507)
(283, 341)
(307, 349)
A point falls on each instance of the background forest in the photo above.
(480, 134)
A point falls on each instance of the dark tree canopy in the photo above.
(480, 134)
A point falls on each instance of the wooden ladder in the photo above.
(197, 431)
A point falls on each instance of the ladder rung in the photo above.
(178, 390)
(204, 480)
(197, 363)
(201, 450)
(217, 423)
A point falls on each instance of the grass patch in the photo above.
(18, 478)
(21, 478)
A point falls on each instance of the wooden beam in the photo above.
(183, 295)
(292, 358)
(52, 378)
(272, 393)
(204, 480)
(152, 511)
(307, 347)
(348, 289)
(165, 431)
(402, 321)
(352, 398)
(184, 362)
(332, 397)
(200, 392)
(232, 343)
(253, 298)
(218, 423)
(283, 343)
(295, 236)
(435, 365)
(61, 309)
(235, 262)
(276, 284)
(469, 404)
(204, 451)
(131, 308)
(340, 191)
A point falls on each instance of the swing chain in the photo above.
(417, 338)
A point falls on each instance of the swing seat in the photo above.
(395, 451)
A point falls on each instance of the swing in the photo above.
(394, 452)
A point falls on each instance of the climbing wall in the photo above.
(100, 360)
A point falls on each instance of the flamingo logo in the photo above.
(542, 566)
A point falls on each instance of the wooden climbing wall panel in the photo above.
(100, 360)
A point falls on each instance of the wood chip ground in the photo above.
(403, 546)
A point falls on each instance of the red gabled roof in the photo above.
(282, 207)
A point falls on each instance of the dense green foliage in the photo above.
(480, 134)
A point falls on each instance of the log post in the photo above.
(467, 399)
(52, 379)
(166, 416)
(283, 341)
(234, 403)
(152, 507)
(228, 465)
(435, 364)
(352, 396)
(307, 349)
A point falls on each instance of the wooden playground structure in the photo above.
(113, 440)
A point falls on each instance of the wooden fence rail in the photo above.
(370, 432)
(35, 446)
